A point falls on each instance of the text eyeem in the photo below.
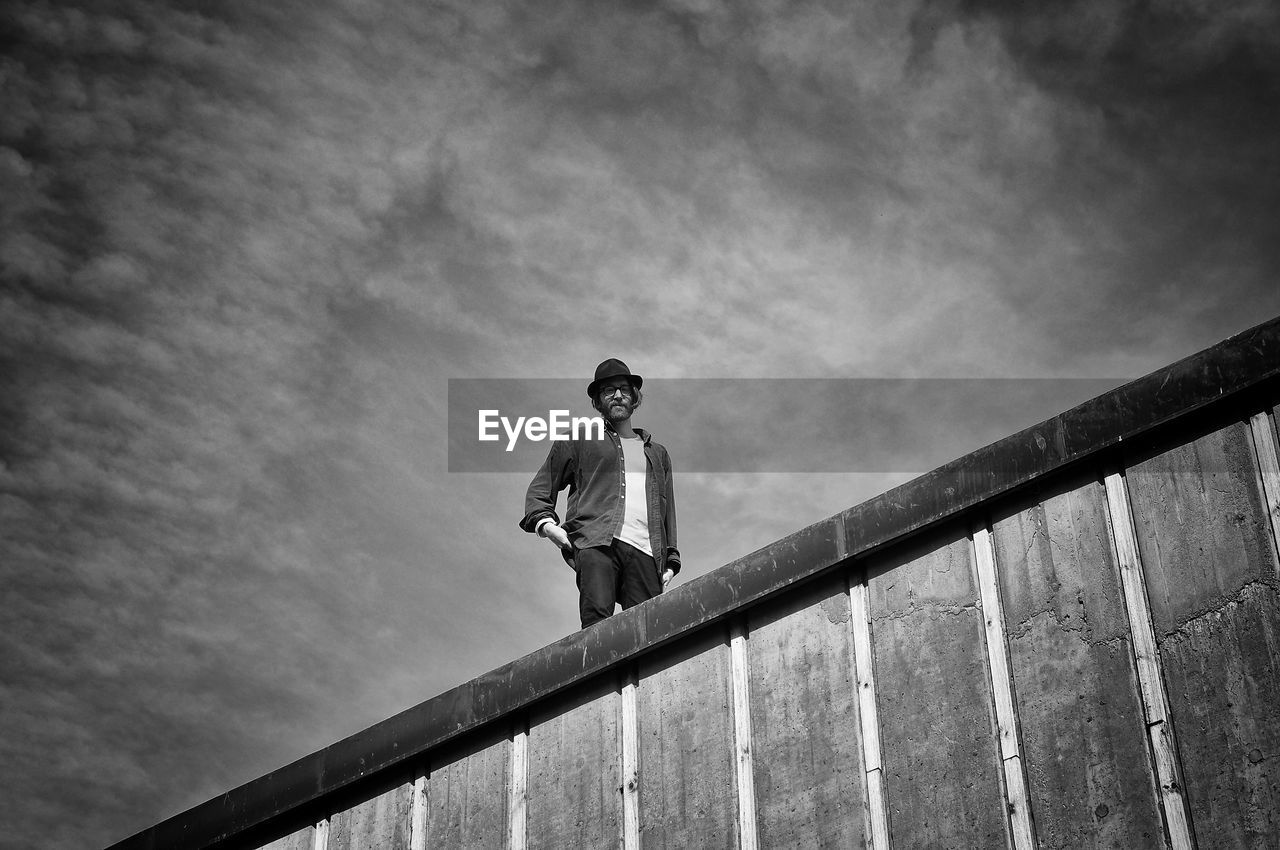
(557, 426)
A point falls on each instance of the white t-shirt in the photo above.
(635, 502)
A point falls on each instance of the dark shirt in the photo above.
(595, 473)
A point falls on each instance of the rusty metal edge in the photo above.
(1244, 361)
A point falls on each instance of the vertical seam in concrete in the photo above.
(1264, 447)
(418, 815)
(1146, 655)
(877, 813)
(518, 800)
(320, 841)
(629, 753)
(1017, 796)
(743, 762)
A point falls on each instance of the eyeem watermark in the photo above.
(763, 425)
(558, 425)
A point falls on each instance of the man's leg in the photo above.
(640, 579)
(597, 570)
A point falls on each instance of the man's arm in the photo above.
(540, 499)
(551, 530)
(669, 516)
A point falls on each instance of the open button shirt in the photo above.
(595, 473)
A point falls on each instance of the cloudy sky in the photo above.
(244, 248)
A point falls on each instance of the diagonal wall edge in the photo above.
(1235, 366)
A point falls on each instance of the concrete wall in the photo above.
(1088, 657)
(1084, 768)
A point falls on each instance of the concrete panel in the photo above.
(1076, 689)
(941, 759)
(381, 822)
(303, 839)
(1223, 672)
(1272, 487)
(467, 797)
(1210, 567)
(688, 797)
(1202, 530)
(808, 768)
(574, 774)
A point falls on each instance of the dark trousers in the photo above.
(618, 573)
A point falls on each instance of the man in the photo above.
(619, 533)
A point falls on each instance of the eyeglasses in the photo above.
(610, 392)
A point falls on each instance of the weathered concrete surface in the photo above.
(574, 771)
(1223, 673)
(303, 839)
(381, 822)
(1274, 509)
(809, 776)
(941, 759)
(1076, 689)
(688, 796)
(1211, 577)
(467, 797)
(1202, 529)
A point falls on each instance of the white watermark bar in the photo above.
(755, 425)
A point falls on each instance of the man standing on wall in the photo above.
(619, 533)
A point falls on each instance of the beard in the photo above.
(618, 410)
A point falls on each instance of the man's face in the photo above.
(616, 399)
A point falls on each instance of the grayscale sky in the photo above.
(245, 246)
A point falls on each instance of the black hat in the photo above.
(613, 368)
